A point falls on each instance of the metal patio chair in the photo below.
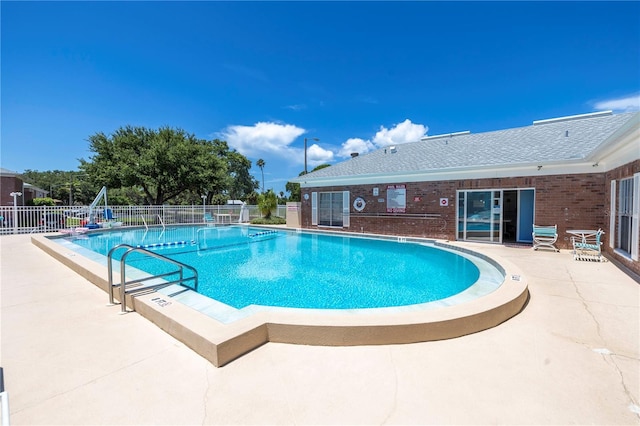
(588, 246)
(545, 236)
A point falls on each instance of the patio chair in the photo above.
(545, 236)
(208, 219)
(108, 214)
(588, 247)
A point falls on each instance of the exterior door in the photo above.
(480, 216)
(526, 199)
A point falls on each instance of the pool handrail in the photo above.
(124, 283)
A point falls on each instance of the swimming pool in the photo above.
(242, 266)
(222, 333)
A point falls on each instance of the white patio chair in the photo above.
(545, 236)
(588, 247)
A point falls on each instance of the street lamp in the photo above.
(15, 196)
(305, 152)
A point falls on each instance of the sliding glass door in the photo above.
(495, 215)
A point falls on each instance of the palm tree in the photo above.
(267, 203)
(260, 163)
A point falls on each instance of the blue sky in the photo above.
(265, 75)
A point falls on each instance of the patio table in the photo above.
(221, 217)
(583, 233)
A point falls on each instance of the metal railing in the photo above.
(38, 219)
(144, 284)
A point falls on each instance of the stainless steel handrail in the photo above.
(124, 283)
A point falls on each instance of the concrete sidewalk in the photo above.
(571, 357)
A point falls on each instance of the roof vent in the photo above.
(445, 135)
(573, 117)
(354, 154)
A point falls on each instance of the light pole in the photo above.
(15, 196)
(204, 205)
(305, 152)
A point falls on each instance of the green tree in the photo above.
(267, 203)
(163, 163)
(252, 198)
(59, 183)
(41, 202)
(236, 184)
(239, 183)
(260, 163)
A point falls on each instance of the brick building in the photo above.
(10, 181)
(577, 172)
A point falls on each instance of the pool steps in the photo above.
(127, 286)
(203, 304)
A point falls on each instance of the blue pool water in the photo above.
(241, 266)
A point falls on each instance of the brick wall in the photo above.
(9, 184)
(570, 201)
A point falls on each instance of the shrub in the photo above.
(267, 203)
(273, 220)
(41, 202)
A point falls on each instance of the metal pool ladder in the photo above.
(149, 283)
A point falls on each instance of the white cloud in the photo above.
(355, 145)
(628, 103)
(272, 142)
(400, 133)
(262, 138)
(317, 155)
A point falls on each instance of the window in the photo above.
(330, 208)
(624, 215)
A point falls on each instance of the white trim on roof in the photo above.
(529, 170)
(621, 147)
(445, 135)
(573, 117)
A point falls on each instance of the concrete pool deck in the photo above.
(571, 357)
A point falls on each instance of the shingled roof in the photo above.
(561, 140)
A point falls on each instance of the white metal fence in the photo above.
(26, 219)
